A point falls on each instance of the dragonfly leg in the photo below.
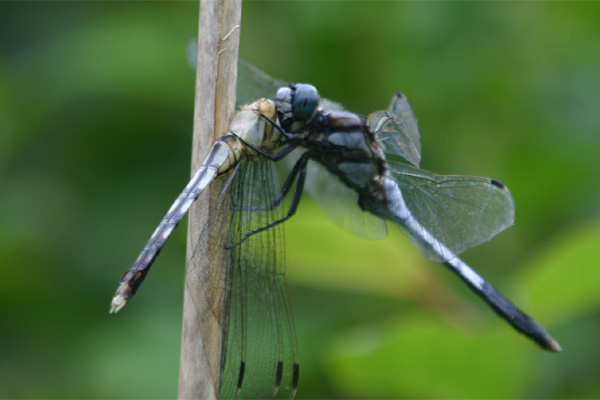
(287, 185)
(298, 171)
(279, 128)
(293, 141)
(273, 157)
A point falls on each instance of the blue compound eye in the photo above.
(305, 102)
(283, 99)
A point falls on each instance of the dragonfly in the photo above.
(345, 162)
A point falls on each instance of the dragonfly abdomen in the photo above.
(247, 127)
(133, 277)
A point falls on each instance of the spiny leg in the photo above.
(287, 184)
(299, 170)
(275, 157)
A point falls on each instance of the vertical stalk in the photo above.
(214, 107)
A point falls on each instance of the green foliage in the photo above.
(572, 253)
(416, 356)
(96, 105)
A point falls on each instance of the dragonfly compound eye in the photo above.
(283, 99)
(305, 101)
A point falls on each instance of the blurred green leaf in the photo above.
(324, 255)
(74, 62)
(420, 357)
(563, 279)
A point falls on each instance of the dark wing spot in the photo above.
(296, 376)
(497, 183)
(279, 375)
(241, 376)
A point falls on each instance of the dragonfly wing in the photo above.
(252, 85)
(397, 130)
(339, 202)
(259, 354)
(453, 213)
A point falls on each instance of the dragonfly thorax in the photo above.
(342, 143)
(252, 128)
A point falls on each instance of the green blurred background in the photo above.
(96, 103)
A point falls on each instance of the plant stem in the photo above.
(214, 107)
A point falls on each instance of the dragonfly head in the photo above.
(296, 104)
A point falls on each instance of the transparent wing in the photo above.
(460, 212)
(259, 357)
(397, 130)
(254, 84)
(340, 203)
(329, 105)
